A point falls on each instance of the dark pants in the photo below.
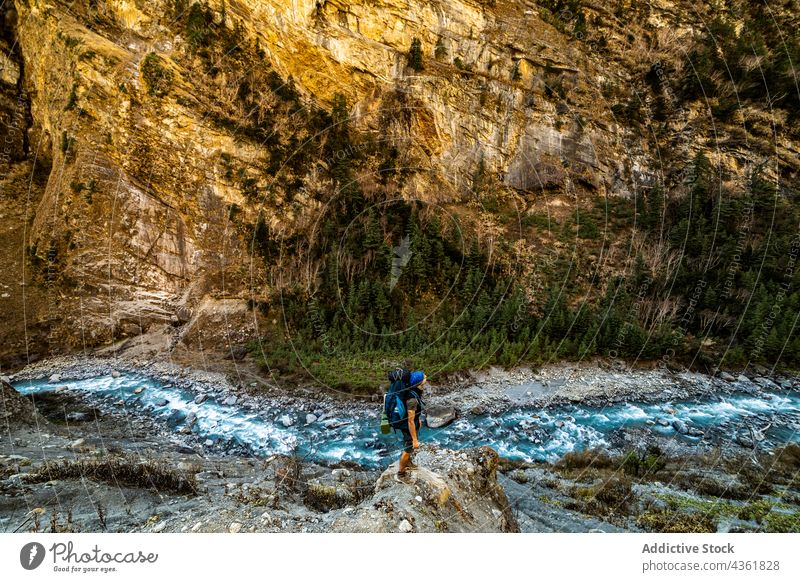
(408, 442)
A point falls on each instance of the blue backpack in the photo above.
(394, 407)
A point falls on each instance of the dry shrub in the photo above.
(118, 471)
(594, 458)
(288, 473)
(326, 497)
(612, 496)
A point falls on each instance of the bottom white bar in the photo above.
(388, 557)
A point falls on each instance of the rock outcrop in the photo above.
(449, 491)
(15, 409)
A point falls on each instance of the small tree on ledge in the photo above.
(415, 55)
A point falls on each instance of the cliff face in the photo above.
(152, 122)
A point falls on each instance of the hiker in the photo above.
(403, 407)
(413, 402)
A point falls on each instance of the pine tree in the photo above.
(415, 55)
(373, 235)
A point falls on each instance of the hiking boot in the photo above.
(403, 477)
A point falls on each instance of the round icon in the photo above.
(32, 555)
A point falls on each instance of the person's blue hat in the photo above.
(416, 378)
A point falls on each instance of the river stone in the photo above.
(405, 526)
(727, 377)
(340, 474)
(78, 417)
(159, 527)
(191, 418)
(286, 420)
(18, 460)
(743, 378)
(200, 398)
(695, 432)
(231, 400)
(114, 374)
(310, 419)
(766, 383)
(680, 426)
(55, 378)
(439, 416)
(16, 480)
(139, 390)
(161, 402)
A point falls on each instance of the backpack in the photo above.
(395, 414)
(403, 374)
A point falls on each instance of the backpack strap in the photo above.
(414, 394)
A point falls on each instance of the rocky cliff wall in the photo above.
(152, 169)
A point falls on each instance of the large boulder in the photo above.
(454, 491)
(680, 426)
(439, 416)
(15, 409)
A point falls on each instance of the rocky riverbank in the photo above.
(559, 389)
(113, 472)
(595, 384)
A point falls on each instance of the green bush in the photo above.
(415, 55)
(156, 75)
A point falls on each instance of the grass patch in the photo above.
(255, 496)
(714, 508)
(357, 373)
(676, 522)
(783, 522)
(118, 471)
